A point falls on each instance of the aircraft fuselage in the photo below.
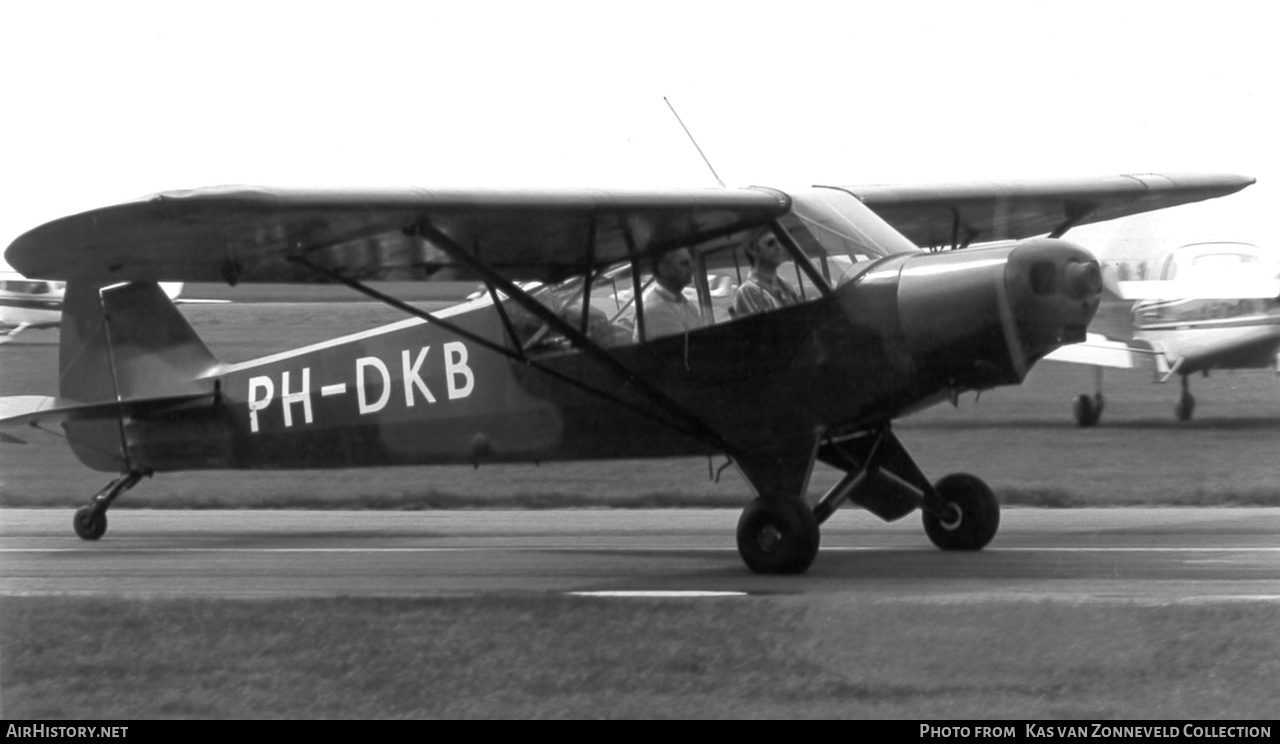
(1212, 334)
(909, 332)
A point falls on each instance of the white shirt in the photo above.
(667, 313)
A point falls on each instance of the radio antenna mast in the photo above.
(694, 141)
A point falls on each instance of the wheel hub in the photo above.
(952, 517)
(769, 538)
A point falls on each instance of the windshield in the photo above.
(844, 228)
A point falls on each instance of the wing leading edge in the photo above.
(963, 213)
(234, 234)
(237, 234)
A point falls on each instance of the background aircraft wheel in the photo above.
(1087, 409)
(90, 523)
(1186, 407)
(777, 536)
(974, 514)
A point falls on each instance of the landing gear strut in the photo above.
(1186, 402)
(90, 522)
(1088, 408)
(779, 533)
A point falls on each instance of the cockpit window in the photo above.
(1224, 259)
(837, 234)
(609, 319)
(845, 229)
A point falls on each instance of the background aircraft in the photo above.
(30, 304)
(1200, 307)
(546, 371)
(27, 303)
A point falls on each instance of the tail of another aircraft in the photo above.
(128, 342)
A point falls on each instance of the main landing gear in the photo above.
(969, 517)
(1186, 402)
(1088, 408)
(90, 521)
(780, 534)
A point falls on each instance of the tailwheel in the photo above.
(969, 517)
(89, 523)
(778, 536)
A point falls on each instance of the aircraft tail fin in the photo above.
(128, 341)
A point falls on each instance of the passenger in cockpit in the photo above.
(666, 310)
(763, 289)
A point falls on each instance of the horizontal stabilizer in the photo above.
(42, 410)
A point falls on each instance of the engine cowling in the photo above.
(983, 317)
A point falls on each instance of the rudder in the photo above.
(128, 341)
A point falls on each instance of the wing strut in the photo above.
(696, 427)
(688, 424)
(1076, 211)
(956, 227)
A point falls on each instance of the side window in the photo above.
(753, 271)
(720, 280)
(609, 319)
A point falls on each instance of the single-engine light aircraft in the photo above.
(570, 354)
(1213, 305)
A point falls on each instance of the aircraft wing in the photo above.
(1196, 288)
(959, 214)
(232, 234)
(1099, 351)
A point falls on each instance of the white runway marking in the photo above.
(638, 548)
(658, 593)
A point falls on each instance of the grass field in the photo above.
(557, 657)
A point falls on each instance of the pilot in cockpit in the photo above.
(666, 310)
(763, 289)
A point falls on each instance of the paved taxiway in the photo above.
(1162, 555)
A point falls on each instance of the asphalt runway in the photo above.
(1155, 556)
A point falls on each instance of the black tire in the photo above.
(1186, 407)
(975, 514)
(89, 523)
(778, 536)
(1086, 410)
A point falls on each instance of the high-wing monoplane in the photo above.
(557, 361)
(1200, 307)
